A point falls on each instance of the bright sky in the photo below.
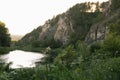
(22, 16)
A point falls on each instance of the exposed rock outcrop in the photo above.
(59, 31)
(99, 30)
(73, 25)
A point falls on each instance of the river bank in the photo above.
(5, 50)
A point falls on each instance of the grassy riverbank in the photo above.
(78, 62)
(31, 49)
(75, 61)
(4, 50)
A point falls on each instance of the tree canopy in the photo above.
(115, 4)
(4, 36)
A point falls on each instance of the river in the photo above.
(21, 59)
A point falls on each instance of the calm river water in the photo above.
(21, 59)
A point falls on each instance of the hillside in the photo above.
(80, 22)
(65, 28)
(80, 44)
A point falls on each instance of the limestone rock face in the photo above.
(48, 31)
(99, 30)
(71, 27)
(97, 33)
(64, 28)
(60, 30)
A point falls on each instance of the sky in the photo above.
(22, 16)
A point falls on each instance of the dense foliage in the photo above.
(72, 63)
(81, 17)
(4, 36)
(78, 61)
(98, 61)
(115, 4)
(5, 40)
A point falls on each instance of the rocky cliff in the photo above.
(98, 31)
(75, 24)
(58, 28)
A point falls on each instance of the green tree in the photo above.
(111, 45)
(4, 36)
(112, 42)
(115, 4)
(115, 27)
(97, 7)
(67, 56)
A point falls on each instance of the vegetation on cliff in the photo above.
(75, 24)
(78, 60)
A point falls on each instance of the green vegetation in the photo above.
(27, 39)
(4, 36)
(72, 63)
(4, 50)
(81, 17)
(115, 5)
(5, 39)
(77, 60)
(98, 61)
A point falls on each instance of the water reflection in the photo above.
(21, 58)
